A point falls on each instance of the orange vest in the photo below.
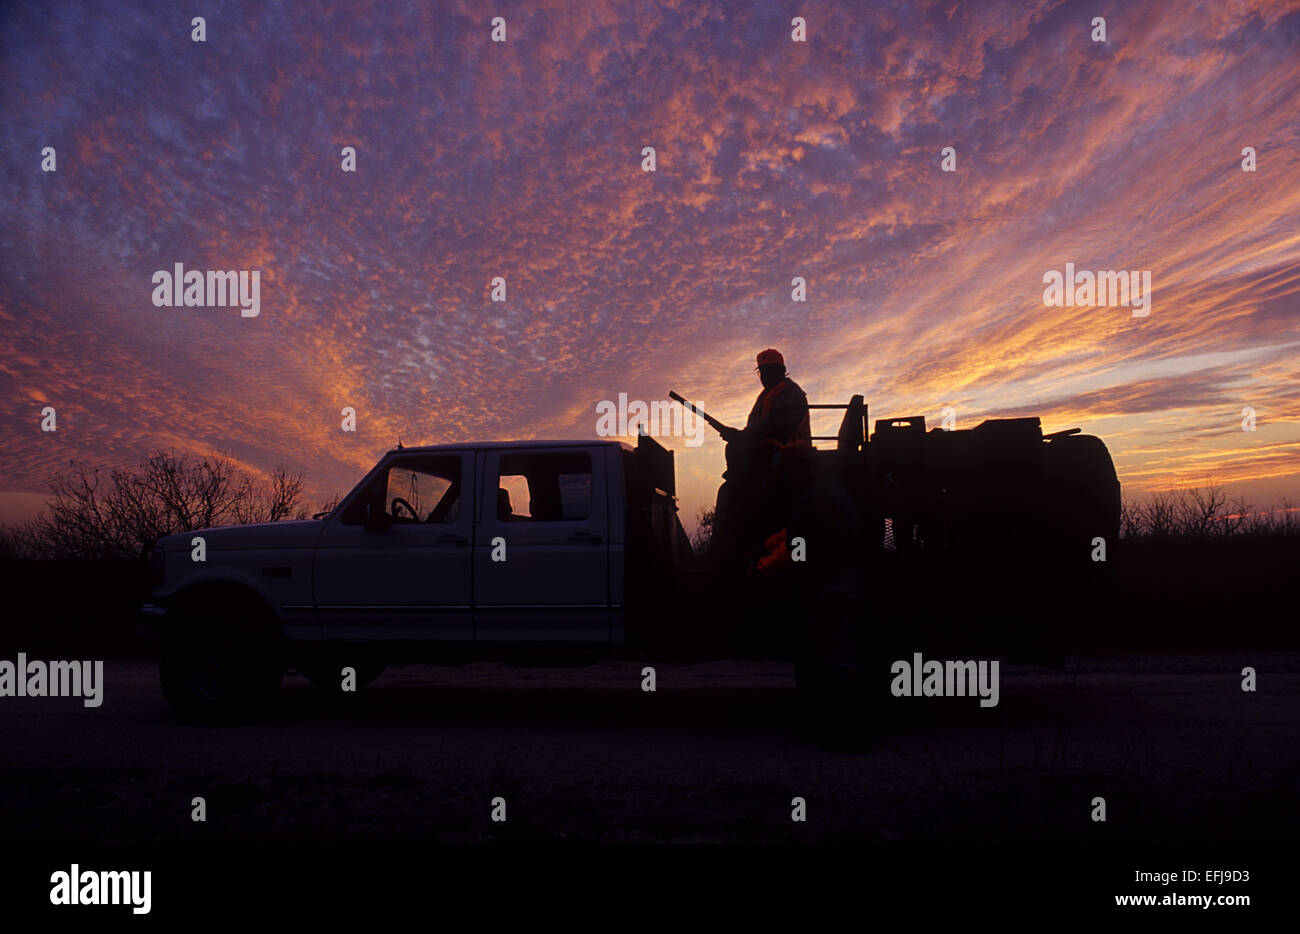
(803, 432)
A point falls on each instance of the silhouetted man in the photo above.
(751, 502)
(779, 418)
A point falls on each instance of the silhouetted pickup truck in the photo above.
(440, 554)
(566, 551)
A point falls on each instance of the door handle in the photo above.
(451, 539)
(586, 537)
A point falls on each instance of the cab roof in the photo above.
(498, 445)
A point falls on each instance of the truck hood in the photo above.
(297, 534)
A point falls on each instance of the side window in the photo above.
(549, 487)
(418, 489)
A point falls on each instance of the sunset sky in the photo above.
(523, 159)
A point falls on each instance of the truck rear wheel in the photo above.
(221, 660)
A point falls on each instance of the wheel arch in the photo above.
(226, 594)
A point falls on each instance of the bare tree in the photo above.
(1159, 515)
(1201, 511)
(1130, 519)
(703, 534)
(1239, 516)
(1287, 520)
(18, 541)
(273, 501)
(116, 515)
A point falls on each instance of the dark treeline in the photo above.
(1204, 514)
(93, 514)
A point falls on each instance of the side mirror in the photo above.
(376, 518)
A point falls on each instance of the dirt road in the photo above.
(1177, 749)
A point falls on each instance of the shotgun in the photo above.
(709, 419)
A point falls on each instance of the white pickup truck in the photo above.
(453, 552)
(439, 554)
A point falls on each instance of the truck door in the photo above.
(541, 549)
(394, 563)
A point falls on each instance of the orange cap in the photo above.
(770, 356)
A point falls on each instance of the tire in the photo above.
(222, 659)
(328, 676)
(1083, 490)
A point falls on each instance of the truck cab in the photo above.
(437, 550)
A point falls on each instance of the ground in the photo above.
(1177, 749)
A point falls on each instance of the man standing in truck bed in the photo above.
(751, 503)
(779, 418)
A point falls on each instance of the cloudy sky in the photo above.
(523, 159)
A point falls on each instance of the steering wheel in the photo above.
(398, 501)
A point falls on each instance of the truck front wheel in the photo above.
(220, 661)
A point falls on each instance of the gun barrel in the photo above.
(709, 419)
